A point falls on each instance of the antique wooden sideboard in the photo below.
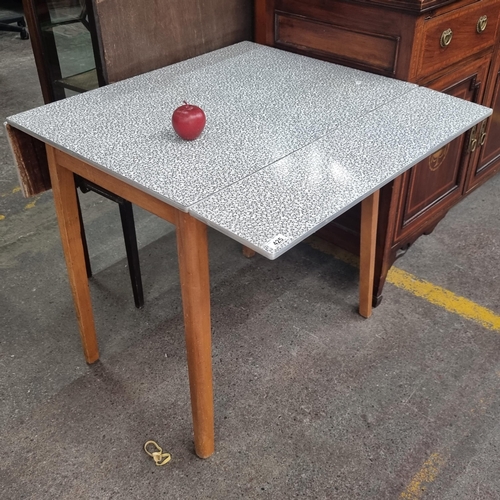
(450, 46)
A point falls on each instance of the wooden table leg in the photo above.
(369, 216)
(248, 252)
(192, 251)
(63, 187)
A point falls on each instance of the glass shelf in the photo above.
(67, 46)
(80, 82)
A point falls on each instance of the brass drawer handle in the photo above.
(481, 24)
(482, 133)
(446, 37)
(473, 139)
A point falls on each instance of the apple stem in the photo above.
(185, 103)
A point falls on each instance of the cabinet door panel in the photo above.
(489, 153)
(437, 182)
(434, 179)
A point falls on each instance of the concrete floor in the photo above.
(311, 400)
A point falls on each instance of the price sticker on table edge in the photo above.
(276, 241)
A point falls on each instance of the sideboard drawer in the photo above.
(370, 50)
(454, 36)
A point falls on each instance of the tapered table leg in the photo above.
(192, 250)
(248, 252)
(369, 216)
(66, 203)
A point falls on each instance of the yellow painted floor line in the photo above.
(14, 191)
(444, 298)
(420, 288)
(426, 475)
(31, 204)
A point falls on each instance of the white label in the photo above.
(276, 241)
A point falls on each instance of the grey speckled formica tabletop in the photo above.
(290, 142)
(275, 208)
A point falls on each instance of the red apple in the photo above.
(188, 121)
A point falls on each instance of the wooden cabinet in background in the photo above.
(488, 133)
(447, 46)
(437, 183)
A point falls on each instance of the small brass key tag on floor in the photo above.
(158, 456)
